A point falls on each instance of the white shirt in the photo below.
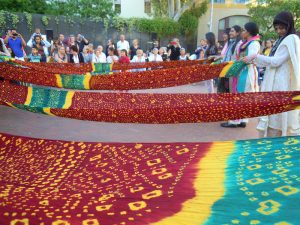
(99, 59)
(45, 47)
(282, 74)
(137, 60)
(155, 58)
(183, 58)
(123, 45)
(75, 58)
(111, 59)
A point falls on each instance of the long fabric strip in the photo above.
(70, 68)
(63, 183)
(118, 81)
(147, 108)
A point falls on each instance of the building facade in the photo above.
(226, 13)
(133, 8)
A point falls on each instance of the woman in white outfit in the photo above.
(282, 74)
(138, 58)
(155, 57)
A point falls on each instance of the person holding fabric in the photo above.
(282, 74)
(211, 51)
(223, 83)
(247, 79)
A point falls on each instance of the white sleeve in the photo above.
(118, 45)
(254, 48)
(93, 58)
(47, 44)
(46, 52)
(29, 43)
(282, 55)
(133, 59)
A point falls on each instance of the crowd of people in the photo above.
(78, 49)
(276, 61)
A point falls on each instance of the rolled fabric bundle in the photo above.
(97, 68)
(117, 81)
(148, 108)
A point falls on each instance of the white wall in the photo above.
(133, 8)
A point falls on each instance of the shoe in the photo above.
(242, 125)
(229, 125)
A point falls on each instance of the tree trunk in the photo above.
(171, 8)
(178, 6)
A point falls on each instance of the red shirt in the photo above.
(124, 59)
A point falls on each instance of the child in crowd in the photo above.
(155, 57)
(112, 55)
(183, 55)
(34, 56)
(123, 57)
(139, 58)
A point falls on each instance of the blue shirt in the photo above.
(16, 46)
(34, 58)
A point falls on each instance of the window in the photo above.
(147, 6)
(230, 22)
(222, 24)
(240, 1)
(117, 6)
(238, 20)
(219, 1)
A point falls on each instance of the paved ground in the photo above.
(23, 123)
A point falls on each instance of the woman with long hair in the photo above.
(282, 74)
(211, 50)
(133, 48)
(247, 79)
(223, 83)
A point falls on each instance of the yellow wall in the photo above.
(220, 11)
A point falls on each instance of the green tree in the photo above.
(264, 13)
(189, 19)
(83, 8)
(38, 6)
(160, 7)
